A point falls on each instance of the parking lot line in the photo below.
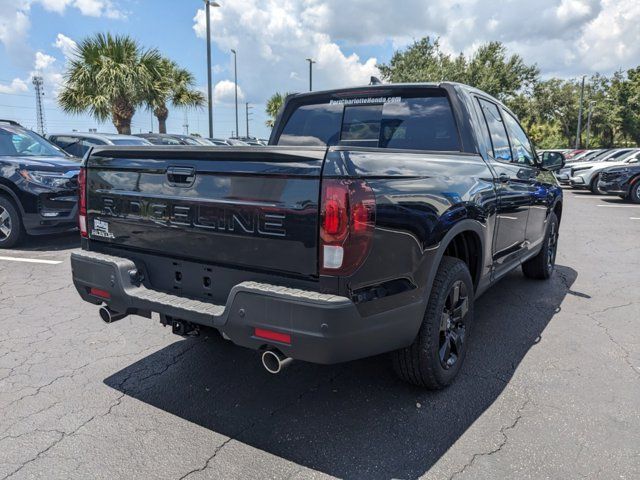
(31, 260)
(619, 206)
(634, 218)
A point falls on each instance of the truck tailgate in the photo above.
(253, 207)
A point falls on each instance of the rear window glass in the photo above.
(414, 123)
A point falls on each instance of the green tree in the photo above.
(489, 68)
(109, 77)
(274, 105)
(172, 85)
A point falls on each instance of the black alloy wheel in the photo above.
(452, 326)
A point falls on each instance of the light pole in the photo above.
(579, 131)
(208, 5)
(586, 143)
(235, 72)
(247, 115)
(311, 62)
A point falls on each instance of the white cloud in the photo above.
(564, 37)
(43, 61)
(14, 27)
(224, 92)
(17, 85)
(90, 8)
(66, 45)
(273, 38)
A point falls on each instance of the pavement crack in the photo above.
(501, 445)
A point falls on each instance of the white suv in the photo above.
(587, 174)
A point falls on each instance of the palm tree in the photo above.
(274, 104)
(109, 77)
(173, 85)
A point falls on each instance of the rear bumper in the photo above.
(323, 328)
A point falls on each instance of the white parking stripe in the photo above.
(31, 260)
(634, 218)
(619, 206)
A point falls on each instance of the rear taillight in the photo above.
(347, 221)
(82, 202)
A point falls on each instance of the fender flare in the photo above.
(466, 225)
(11, 194)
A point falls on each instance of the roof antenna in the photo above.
(375, 81)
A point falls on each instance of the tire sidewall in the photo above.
(553, 220)
(16, 224)
(634, 191)
(433, 315)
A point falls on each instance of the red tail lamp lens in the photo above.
(347, 225)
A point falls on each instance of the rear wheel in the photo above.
(434, 358)
(10, 224)
(594, 186)
(634, 192)
(542, 265)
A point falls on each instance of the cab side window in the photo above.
(521, 150)
(500, 148)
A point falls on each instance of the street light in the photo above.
(235, 71)
(311, 62)
(579, 130)
(591, 104)
(208, 5)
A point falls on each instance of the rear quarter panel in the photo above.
(420, 198)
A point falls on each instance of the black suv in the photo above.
(623, 181)
(38, 185)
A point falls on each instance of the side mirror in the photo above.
(553, 161)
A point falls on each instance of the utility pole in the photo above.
(579, 131)
(38, 83)
(247, 114)
(586, 143)
(235, 71)
(185, 125)
(208, 5)
(311, 62)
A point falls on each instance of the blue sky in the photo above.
(347, 38)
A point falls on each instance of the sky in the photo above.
(346, 38)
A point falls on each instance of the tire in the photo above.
(436, 355)
(542, 265)
(10, 224)
(593, 186)
(634, 192)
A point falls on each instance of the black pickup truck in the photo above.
(369, 225)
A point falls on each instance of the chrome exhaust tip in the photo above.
(109, 316)
(274, 361)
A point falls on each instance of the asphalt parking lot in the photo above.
(550, 388)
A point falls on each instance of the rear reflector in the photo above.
(100, 293)
(271, 335)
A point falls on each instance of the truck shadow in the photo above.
(354, 420)
(49, 243)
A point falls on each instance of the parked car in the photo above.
(564, 174)
(622, 180)
(254, 142)
(38, 185)
(371, 225)
(234, 142)
(220, 142)
(586, 174)
(77, 143)
(173, 139)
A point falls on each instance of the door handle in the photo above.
(181, 176)
(504, 178)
